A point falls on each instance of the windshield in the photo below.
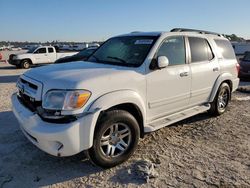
(31, 50)
(124, 51)
(247, 57)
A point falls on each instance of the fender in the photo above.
(29, 57)
(109, 100)
(223, 77)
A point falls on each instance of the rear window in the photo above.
(200, 50)
(225, 49)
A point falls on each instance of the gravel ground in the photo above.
(198, 152)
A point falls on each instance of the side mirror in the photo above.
(162, 62)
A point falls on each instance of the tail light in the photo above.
(238, 68)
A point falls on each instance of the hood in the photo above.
(24, 55)
(84, 75)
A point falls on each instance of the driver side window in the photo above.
(40, 51)
(174, 49)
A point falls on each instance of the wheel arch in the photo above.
(124, 100)
(224, 78)
(27, 59)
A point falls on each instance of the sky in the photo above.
(88, 20)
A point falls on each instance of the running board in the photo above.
(173, 118)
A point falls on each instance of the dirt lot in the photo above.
(198, 152)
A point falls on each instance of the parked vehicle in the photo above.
(245, 66)
(15, 49)
(79, 47)
(81, 56)
(1, 57)
(131, 85)
(37, 55)
(240, 48)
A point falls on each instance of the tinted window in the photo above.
(225, 49)
(200, 50)
(124, 51)
(247, 56)
(41, 51)
(51, 50)
(174, 49)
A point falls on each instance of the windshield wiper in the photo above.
(96, 58)
(117, 58)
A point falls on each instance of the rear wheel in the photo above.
(221, 100)
(115, 140)
(25, 64)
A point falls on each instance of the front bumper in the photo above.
(55, 139)
(14, 62)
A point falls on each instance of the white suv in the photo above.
(133, 84)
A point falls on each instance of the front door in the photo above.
(40, 55)
(168, 89)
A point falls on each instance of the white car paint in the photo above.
(47, 57)
(157, 94)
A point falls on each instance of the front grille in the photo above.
(33, 86)
(28, 102)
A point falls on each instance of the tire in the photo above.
(25, 64)
(221, 100)
(108, 149)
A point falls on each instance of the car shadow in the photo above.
(9, 79)
(29, 166)
(7, 67)
(193, 119)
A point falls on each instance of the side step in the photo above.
(173, 118)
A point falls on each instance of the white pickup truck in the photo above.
(37, 55)
(131, 85)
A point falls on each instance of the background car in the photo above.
(81, 56)
(245, 66)
(1, 56)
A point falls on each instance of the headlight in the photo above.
(65, 100)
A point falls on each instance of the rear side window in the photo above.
(225, 49)
(200, 50)
(174, 49)
(51, 50)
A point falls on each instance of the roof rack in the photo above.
(194, 30)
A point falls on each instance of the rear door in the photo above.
(40, 55)
(204, 67)
(168, 89)
(51, 55)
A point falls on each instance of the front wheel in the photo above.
(115, 140)
(221, 100)
(25, 64)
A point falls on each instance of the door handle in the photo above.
(183, 74)
(215, 69)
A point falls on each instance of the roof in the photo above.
(138, 33)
